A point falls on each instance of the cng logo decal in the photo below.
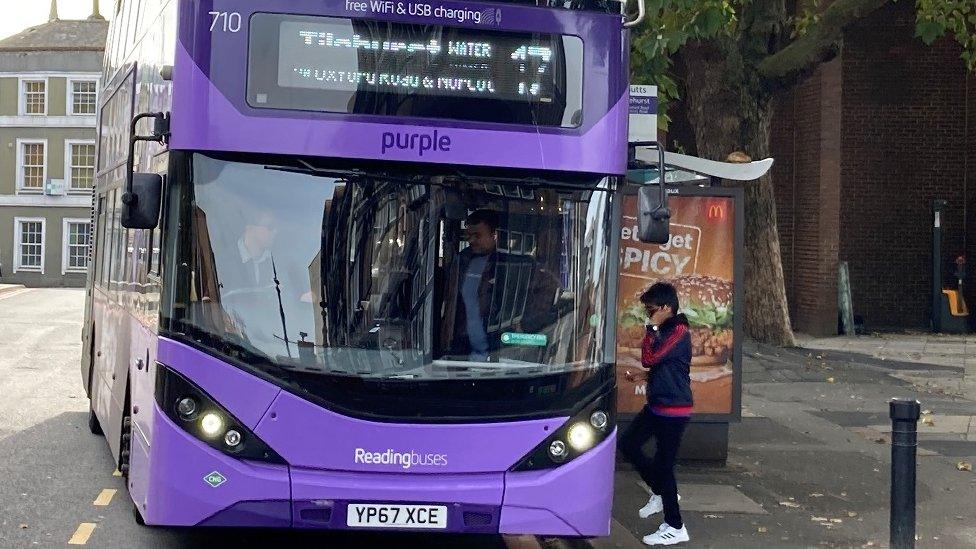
(215, 479)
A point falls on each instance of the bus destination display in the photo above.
(335, 55)
(343, 64)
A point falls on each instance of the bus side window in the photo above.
(99, 277)
(118, 244)
(108, 237)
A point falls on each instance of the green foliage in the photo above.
(957, 18)
(803, 22)
(670, 24)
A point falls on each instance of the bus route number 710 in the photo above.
(231, 21)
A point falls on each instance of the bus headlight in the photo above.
(587, 428)
(187, 408)
(599, 420)
(197, 413)
(211, 424)
(557, 449)
(581, 436)
(232, 438)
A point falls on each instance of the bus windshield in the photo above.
(342, 282)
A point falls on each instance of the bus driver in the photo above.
(480, 290)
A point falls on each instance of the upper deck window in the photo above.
(341, 65)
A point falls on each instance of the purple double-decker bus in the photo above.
(355, 260)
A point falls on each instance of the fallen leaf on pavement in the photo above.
(789, 504)
(762, 529)
(830, 380)
(712, 516)
(926, 412)
(816, 495)
(964, 466)
(851, 514)
(836, 521)
(927, 420)
(818, 519)
(23, 526)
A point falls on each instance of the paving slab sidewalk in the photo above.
(811, 456)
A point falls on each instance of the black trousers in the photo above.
(658, 472)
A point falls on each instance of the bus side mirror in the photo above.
(140, 204)
(653, 215)
(141, 198)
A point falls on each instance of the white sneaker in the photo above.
(666, 535)
(654, 505)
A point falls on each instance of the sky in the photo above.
(20, 14)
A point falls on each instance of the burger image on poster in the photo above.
(707, 302)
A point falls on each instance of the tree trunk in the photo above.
(730, 111)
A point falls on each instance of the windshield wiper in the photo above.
(535, 182)
(308, 169)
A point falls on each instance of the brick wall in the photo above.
(862, 148)
(783, 147)
(805, 143)
(904, 143)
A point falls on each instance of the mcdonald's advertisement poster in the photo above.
(699, 260)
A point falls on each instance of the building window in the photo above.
(79, 167)
(34, 96)
(77, 240)
(31, 164)
(83, 97)
(29, 244)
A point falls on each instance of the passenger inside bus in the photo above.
(254, 249)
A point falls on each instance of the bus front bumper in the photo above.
(189, 483)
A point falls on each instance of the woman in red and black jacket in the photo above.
(666, 354)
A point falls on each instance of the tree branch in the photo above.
(820, 43)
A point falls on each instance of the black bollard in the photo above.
(904, 423)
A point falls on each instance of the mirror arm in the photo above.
(641, 12)
(662, 212)
(160, 134)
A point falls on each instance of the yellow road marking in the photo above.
(116, 473)
(82, 534)
(105, 497)
(13, 293)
